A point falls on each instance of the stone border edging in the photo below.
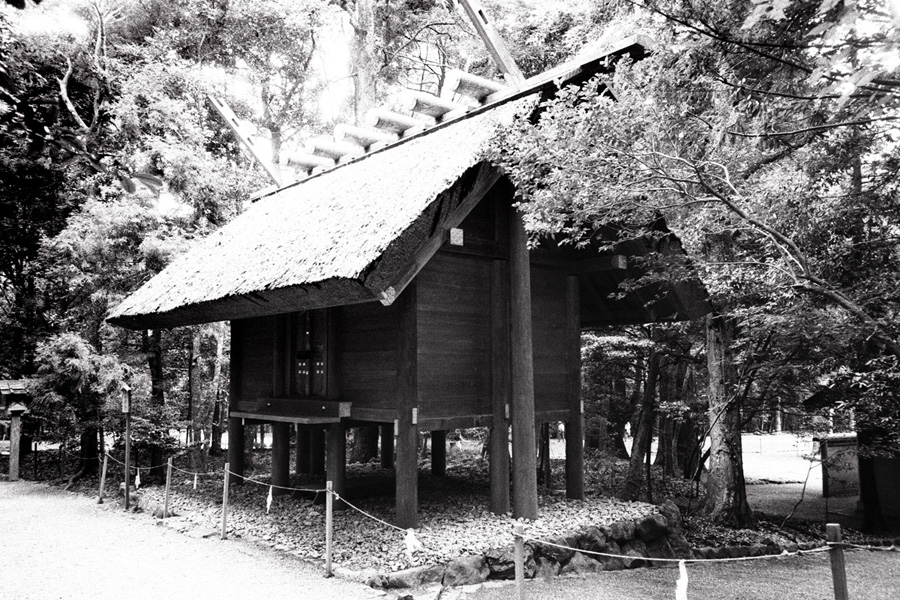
(657, 535)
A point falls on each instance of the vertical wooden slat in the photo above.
(521, 372)
(236, 426)
(280, 342)
(406, 467)
(332, 367)
(500, 361)
(575, 424)
(281, 456)
(438, 453)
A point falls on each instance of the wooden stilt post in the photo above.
(281, 457)
(236, 431)
(15, 437)
(519, 546)
(387, 446)
(521, 373)
(329, 528)
(406, 468)
(575, 424)
(317, 451)
(168, 488)
(438, 453)
(303, 451)
(838, 569)
(499, 448)
(103, 479)
(236, 428)
(225, 500)
(128, 457)
(336, 459)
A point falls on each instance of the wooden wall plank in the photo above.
(500, 392)
(454, 300)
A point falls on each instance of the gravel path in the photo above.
(62, 545)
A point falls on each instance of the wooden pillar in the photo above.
(317, 451)
(406, 467)
(575, 424)
(521, 373)
(236, 449)
(387, 446)
(336, 459)
(499, 448)
(438, 453)
(281, 457)
(15, 436)
(236, 429)
(303, 450)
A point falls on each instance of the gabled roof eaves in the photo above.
(311, 244)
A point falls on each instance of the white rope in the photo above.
(278, 487)
(373, 517)
(783, 554)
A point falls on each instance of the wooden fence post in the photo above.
(103, 479)
(225, 501)
(168, 488)
(838, 569)
(329, 528)
(519, 541)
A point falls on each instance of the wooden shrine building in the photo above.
(394, 288)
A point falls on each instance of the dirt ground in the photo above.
(63, 545)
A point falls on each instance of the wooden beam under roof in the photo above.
(235, 125)
(495, 45)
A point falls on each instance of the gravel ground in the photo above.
(453, 517)
(62, 545)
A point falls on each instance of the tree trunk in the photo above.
(215, 445)
(364, 446)
(363, 58)
(194, 384)
(152, 342)
(545, 472)
(671, 380)
(644, 431)
(726, 494)
(89, 456)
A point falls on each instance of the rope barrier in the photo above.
(136, 468)
(279, 487)
(891, 548)
(373, 517)
(783, 554)
(192, 472)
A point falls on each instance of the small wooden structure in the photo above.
(15, 401)
(396, 290)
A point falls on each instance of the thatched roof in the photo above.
(351, 233)
(319, 242)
